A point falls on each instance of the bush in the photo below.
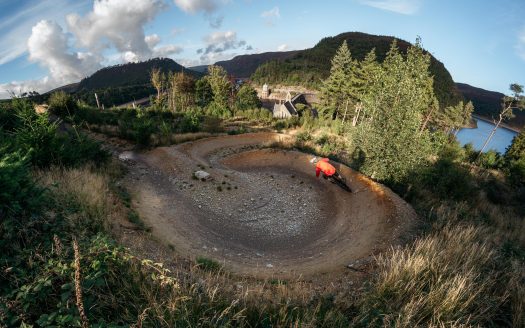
(190, 122)
(18, 193)
(448, 180)
(142, 131)
(33, 134)
(62, 104)
(491, 160)
(208, 264)
(516, 172)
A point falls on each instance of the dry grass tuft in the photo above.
(449, 278)
(86, 191)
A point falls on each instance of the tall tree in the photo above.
(158, 81)
(390, 139)
(247, 98)
(368, 72)
(182, 91)
(516, 101)
(339, 90)
(220, 85)
(203, 92)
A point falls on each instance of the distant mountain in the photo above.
(488, 103)
(245, 65)
(309, 67)
(120, 84)
(200, 68)
(131, 74)
(69, 88)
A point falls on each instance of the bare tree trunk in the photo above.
(496, 125)
(346, 110)
(98, 103)
(423, 127)
(358, 108)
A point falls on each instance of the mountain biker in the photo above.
(329, 172)
(322, 165)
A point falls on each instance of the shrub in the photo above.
(448, 180)
(491, 160)
(208, 264)
(516, 172)
(303, 136)
(62, 104)
(142, 131)
(190, 122)
(18, 193)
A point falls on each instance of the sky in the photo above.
(48, 43)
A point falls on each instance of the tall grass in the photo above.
(452, 277)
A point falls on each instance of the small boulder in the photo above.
(201, 175)
(126, 156)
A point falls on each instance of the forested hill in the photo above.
(246, 65)
(309, 67)
(120, 84)
(488, 103)
(131, 74)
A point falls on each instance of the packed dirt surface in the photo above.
(263, 212)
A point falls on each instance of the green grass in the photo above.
(207, 264)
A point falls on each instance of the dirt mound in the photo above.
(264, 212)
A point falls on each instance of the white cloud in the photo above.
(208, 7)
(48, 45)
(520, 46)
(194, 6)
(405, 7)
(152, 40)
(17, 27)
(118, 23)
(166, 51)
(274, 12)
(19, 87)
(218, 43)
(111, 25)
(282, 47)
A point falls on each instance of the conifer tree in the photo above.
(390, 138)
(339, 89)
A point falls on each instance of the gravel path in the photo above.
(263, 212)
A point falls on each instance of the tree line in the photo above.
(397, 121)
(214, 93)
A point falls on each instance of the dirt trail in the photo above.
(264, 213)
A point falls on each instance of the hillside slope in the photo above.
(309, 67)
(246, 65)
(488, 103)
(131, 74)
(119, 84)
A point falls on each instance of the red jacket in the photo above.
(325, 167)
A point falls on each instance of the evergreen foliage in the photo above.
(311, 66)
(203, 92)
(339, 90)
(390, 140)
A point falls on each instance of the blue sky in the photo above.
(47, 43)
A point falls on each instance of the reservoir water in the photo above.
(500, 141)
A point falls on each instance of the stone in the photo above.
(201, 175)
